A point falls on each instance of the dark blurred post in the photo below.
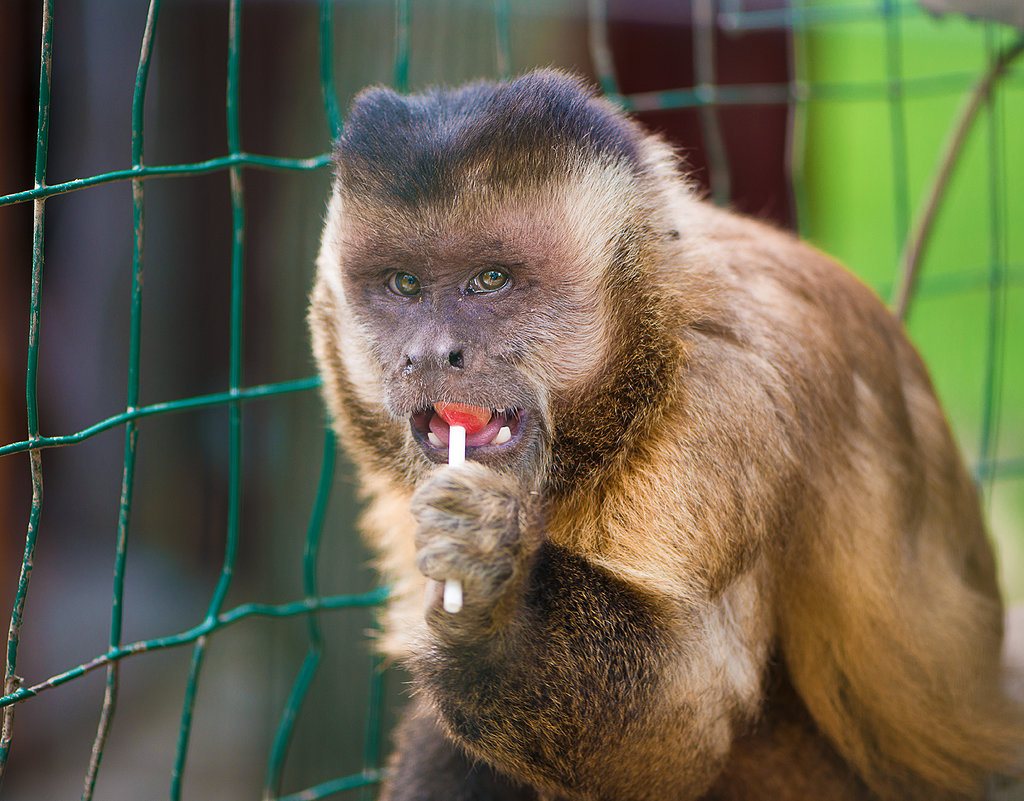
(742, 147)
(18, 63)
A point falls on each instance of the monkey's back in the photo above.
(888, 613)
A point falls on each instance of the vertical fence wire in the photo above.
(373, 730)
(314, 652)
(12, 682)
(234, 385)
(400, 71)
(897, 119)
(328, 92)
(703, 17)
(796, 127)
(503, 38)
(600, 49)
(997, 285)
(131, 428)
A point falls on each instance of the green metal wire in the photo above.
(327, 89)
(279, 749)
(917, 240)
(897, 122)
(131, 428)
(400, 74)
(997, 294)
(234, 384)
(762, 94)
(816, 15)
(336, 786)
(170, 171)
(703, 37)
(11, 679)
(314, 652)
(600, 49)
(170, 407)
(372, 738)
(206, 628)
(797, 128)
(233, 162)
(503, 38)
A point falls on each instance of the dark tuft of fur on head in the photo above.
(415, 148)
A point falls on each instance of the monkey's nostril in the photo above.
(455, 359)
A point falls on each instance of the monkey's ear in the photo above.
(380, 104)
(376, 108)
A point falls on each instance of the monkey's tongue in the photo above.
(472, 418)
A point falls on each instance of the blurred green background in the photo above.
(974, 264)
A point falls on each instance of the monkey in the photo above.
(715, 539)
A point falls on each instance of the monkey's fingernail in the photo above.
(434, 439)
(504, 435)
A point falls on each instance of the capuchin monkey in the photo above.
(714, 537)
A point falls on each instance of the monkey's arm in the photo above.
(554, 663)
(429, 767)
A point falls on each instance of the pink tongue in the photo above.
(472, 418)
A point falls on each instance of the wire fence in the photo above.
(998, 279)
(233, 398)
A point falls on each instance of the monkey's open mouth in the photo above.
(501, 430)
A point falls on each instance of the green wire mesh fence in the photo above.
(217, 616)
(992, 100)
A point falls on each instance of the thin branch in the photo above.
(918, 242)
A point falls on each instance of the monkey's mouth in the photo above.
(500, 432)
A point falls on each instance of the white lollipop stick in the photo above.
(452, 598)
(456, 445)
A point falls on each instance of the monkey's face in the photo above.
(500, 307)
(447, 318)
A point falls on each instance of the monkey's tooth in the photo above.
(504, 435)
(434, 440)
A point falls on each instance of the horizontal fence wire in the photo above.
(896, 89)
(207, 627)
(170, 171)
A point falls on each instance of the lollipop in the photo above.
(468, 417)
(462, 418)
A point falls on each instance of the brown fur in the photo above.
(735, 554)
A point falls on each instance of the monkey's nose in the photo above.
(440, 358)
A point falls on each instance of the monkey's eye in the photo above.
(404, 284)
(489, 281)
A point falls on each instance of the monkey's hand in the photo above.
(474, 527)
